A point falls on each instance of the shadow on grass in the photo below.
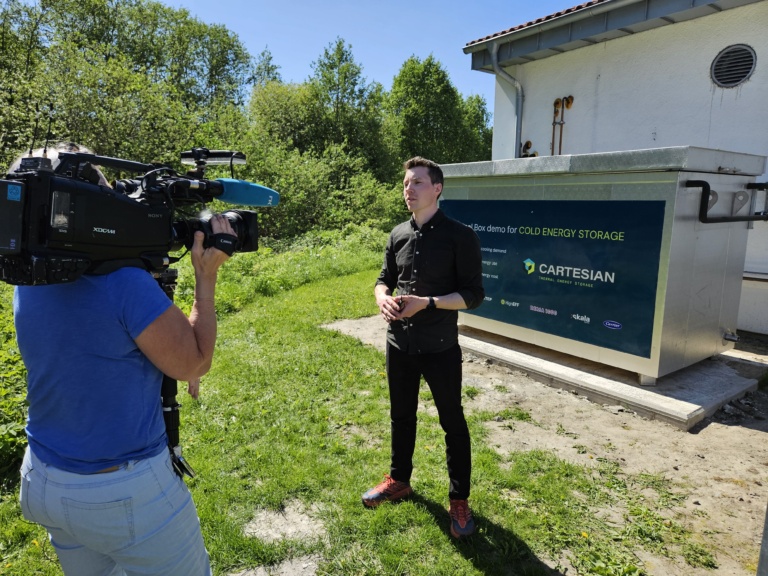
(9, 474)
(493, 549)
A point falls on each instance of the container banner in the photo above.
(583, 270)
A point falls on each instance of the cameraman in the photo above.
(97, 472)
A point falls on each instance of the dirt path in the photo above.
(722, 463)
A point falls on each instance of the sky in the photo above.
(382, 34)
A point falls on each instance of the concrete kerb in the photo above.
(681, 399)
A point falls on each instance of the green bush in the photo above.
(13, 409)
(319, 191)
(280, 266)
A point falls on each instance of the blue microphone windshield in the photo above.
(247, 193)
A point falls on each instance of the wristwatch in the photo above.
(431, 304)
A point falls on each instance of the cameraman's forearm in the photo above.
(181, 347)
(203, 320)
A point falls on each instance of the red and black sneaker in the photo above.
(387, 491)
(462, 523)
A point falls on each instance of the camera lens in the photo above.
(246, 227)
(244, 223)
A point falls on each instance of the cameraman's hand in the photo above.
(193, 388)
(206, 261)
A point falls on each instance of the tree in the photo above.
(427, 117)
(138, 80)
(113, 109)
(288, 114)
(204, 63)
(265, 71)
(130, 78)
(22, 100)
(478, 135)
(226, 128)
(352, 107)
(318, 192)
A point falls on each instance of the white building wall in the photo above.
(652, 90)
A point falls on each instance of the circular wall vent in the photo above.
(733, 66)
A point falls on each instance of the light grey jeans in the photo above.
(139, 519)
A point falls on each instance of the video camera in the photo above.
(59, 222)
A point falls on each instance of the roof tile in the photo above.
(537, 21)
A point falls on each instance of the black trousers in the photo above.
(442, 372)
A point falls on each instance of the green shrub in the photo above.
(13, 410)
(281, 266)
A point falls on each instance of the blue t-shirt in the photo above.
(94, 397)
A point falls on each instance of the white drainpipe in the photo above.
(518, 101)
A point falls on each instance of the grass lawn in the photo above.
(292, 413)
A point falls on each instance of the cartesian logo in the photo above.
(530, 266)
(570, 272)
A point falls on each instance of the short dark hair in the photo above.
(433, 169)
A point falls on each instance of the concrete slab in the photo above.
(681, 399)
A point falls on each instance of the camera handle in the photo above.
(169, 389)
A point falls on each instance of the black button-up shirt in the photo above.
(440, 258)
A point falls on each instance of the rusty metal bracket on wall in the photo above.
(709, 199)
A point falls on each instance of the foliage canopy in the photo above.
(140, 80)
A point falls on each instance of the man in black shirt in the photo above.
(434, 265)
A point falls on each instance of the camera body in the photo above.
(57, 223)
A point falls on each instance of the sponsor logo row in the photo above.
(610, 324)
